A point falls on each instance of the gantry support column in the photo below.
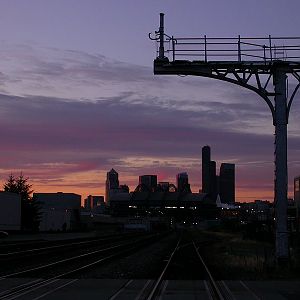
(281, 175)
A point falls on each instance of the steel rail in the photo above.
(70, 259)
(216, 291)
(20, 242)
(31, 287)
(30, 244)
(158, 282)
(26, 288)
(26, 243)
(56, 246)
(59, 262)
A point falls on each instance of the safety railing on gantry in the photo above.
(229, 49)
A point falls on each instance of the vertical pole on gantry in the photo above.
(161, 53)
(281, 174)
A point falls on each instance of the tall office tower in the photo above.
(213, 187)
(149, 181)
(182, 180)
(227, 183)
(205, 169)
(297, 191)
(112, 184)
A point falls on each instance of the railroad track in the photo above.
(21, 259)
(158, 288)
(29, 288)
(62, 279)
(9, 248)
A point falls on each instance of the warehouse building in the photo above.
(10, 211)
(59, 211)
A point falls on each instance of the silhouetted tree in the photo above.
(30, 212)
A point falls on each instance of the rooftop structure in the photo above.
(148, 182)
(59, 200)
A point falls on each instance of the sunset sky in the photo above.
(78, 95)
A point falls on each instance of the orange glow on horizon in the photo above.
(93, 183)
(242, 194)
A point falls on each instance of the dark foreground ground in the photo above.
(227, 255)
(243, 269)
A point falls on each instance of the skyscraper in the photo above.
(205, 169)
(149, 182)
(213, 187)
(182, 180)
(227, 183)
(112, 184)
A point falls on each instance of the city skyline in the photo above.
(74, 102)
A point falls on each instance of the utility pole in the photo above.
(281, 173)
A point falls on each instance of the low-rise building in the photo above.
(10, 211)
(59, 211)
(92, 202)
(162, 203)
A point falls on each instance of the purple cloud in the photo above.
(124, 117)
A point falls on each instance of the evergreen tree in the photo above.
(30, 212)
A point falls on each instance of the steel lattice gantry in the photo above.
(262, 65)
